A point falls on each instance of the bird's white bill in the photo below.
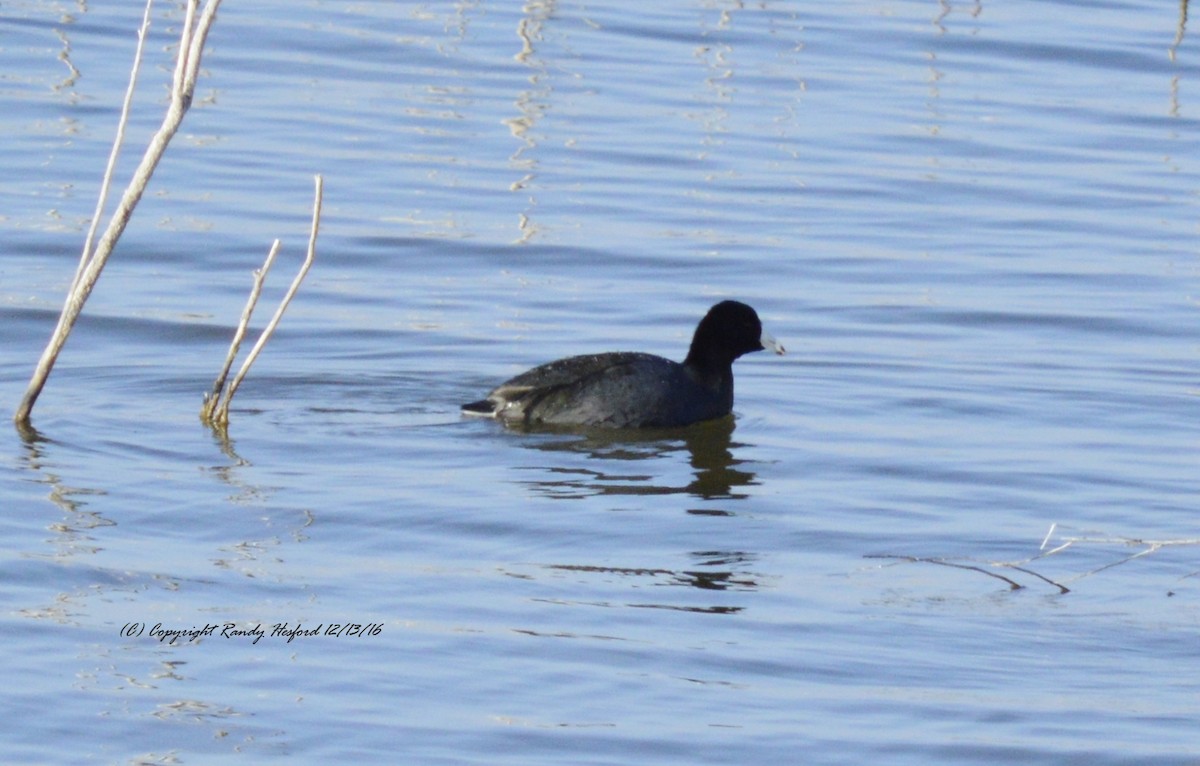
(770, 344)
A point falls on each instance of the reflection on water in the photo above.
(716, 579)
(126, 554)
(531, 104)
(655, 154)
(85, 543)
(709, 447)
(714, 572)
(73, 532)
(1180, 30)
(638, 463)
(945, 8)
(1179, 33)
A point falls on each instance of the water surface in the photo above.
(972, 224)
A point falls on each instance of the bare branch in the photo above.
(217, 414)
(187, 66)
(106, 182)
(213, 398)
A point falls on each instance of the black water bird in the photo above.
(635, 390)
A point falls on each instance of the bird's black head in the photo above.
(727, 331)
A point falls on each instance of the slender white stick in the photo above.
(222, 413)
(196, 47)
(181, 58)
(1049, 534)
(106, 183)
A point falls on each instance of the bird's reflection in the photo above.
(717, 572)
(716, 473)
(594, 463)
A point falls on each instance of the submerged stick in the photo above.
(1012, 584)
(1148, 547)
(191, 45)
(1061, 588)
(215, 410)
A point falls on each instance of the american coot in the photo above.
(632, 390)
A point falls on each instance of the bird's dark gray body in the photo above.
(613, 390)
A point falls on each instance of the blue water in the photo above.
(973, 226)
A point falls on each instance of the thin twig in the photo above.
(1112, 564)
(1049, 534)
(213, 398)
(106, 182)
(196, 47)
(1054, 550)
(181, 58)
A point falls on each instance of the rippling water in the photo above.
(956, 524)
